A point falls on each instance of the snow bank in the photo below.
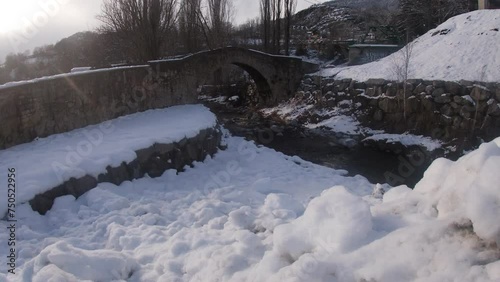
(467, 189)
(48, 162)
(447, 229)
(464, 47)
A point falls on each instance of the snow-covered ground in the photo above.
(464, 47)
(252, 214)
(47, 162)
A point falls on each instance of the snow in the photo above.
(407, 139)
(463, 48)
(47, 162)
(78, 71)
(341, 123)
(253, 214)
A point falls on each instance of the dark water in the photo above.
(320, 147)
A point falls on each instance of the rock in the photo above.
(419, 89)
(388, 105)
(359, 85)
(454, 105)
(428, 104)
(392, 90)
(446, 120)
(348, 142)
(446, 110)
(497, 94)
(429, 89)
(329, 96)
(376, 82)
(414, 81)
(453, 88)
(438, 92)
(466, 112)
(370, 92)
(443, 99)
(466, 124)
(412, 104)
(494, 109)
(438, 83)
(480, 93)
(456, 122)
(459, 100)
(329, 87)
(466, 82)
(379, 115)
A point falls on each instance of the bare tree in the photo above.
(402, 69)
(146, 24)
(190, 27)
(290, 6)
(220, 15)
(276, 9)
(265, 15)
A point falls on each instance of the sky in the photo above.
(26, 24)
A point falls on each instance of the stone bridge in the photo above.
(61, 103)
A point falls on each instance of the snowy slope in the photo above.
(48, 162)
(464, 47)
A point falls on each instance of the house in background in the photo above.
(488, 4)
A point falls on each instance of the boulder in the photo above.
(388, 105)
(376, 82)
(494, 109)
(446, 110)
(419, 89)
(480, 93)
(453, 87)
(443, 99)
(429, 89)
(438, 83)
(428, 104)
(438, 92)
(379, 115)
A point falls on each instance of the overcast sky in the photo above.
(25, 24)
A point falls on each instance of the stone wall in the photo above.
(66, 102)
(440, 109)
(152, 161)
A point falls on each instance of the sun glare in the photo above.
(11, 14)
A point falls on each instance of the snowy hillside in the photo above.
(464, 47)
(322, 17)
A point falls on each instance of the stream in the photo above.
(320, 147)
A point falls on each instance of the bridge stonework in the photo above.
(65, 102)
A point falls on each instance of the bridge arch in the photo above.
(276, 77)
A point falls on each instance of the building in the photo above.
(364, 53)
(488, 4)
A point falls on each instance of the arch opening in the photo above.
(233, 80)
